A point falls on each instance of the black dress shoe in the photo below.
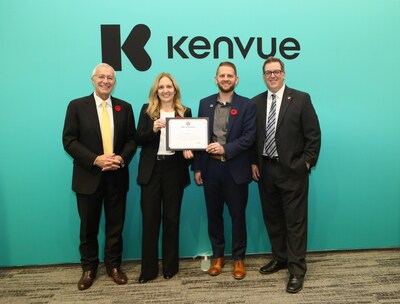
(273, 266)
(295, 283)
(143, 280)
(168, 276)
(87, 279)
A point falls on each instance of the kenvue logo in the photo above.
(198, 47)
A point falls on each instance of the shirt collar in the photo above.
(225, 102)
(99, 100)
(278, 94)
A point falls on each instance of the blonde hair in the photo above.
(153, 110)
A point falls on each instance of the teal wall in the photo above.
(348, 62)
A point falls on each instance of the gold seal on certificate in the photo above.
(187, 133)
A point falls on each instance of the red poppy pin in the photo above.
(233, 112)
(117, 108)
(177, 116)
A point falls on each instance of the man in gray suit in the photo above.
(287, 147)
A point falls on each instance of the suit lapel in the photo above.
(263, 111)
(92, 114)
(210, 113)
(115, 105)
(286, 99)
(232, 118)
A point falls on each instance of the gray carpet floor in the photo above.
(371, 276)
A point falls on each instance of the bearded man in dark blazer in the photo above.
(224, 168)
(100, 171)
(287, 147)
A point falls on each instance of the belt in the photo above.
(274, 159)
(164, 157)
(219, 157)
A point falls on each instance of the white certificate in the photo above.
(187, 133)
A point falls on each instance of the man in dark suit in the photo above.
(287, 147)
(99, 132)
(224, 168)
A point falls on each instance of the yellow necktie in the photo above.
(106, 130)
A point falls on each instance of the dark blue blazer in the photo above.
(240, 138)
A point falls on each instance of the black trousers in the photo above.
(161, 201)
(284, 201)
(90, 208)
(220, 188)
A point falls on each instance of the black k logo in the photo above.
(133, 46)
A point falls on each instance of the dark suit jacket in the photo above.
(240, 138)
(82, 140)
(150, 142)
(298, 135)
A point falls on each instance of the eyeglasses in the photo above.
(104, 77)
(269, 73)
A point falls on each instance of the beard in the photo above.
(228, 90)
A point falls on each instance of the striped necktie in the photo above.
(106, 130)
(269, 144)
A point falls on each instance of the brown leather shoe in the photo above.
(118, 275)
(216, 269)
(87, 279)
(239, 271)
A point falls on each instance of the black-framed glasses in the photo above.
(275, 72)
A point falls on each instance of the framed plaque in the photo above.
(187, 133)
